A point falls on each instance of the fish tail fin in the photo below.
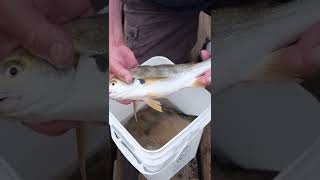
(200, 68)
(81, 135)
(204, 64)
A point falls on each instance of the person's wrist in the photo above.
(116, 41)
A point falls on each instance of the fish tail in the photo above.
(201, 67)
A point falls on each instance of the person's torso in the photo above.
(167, 5)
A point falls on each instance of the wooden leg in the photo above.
(189, 172)
(111, 157)
(125, 171)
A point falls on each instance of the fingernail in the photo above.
(60, 56)
(315, 55)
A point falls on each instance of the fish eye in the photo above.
(13, 70)
(113, 83)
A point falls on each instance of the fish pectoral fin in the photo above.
(156, 105)
(135, 105)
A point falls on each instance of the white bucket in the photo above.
(163, 163)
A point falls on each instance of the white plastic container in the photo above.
(163, 163)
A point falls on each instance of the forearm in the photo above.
(115, 23)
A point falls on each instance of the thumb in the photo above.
(205, 54)
(35, 33)
(119, 71)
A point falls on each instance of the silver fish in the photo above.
(249, 41)
(160, 81)
(34, 90)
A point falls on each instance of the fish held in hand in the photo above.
(159, 81)
(33, 90)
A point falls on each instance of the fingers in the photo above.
(130, 58)
(35, 33)
(205, 54)
(303, 57)
(7, 44)
(125, 102)
(205, 80)
(54, 128)
(118, 70)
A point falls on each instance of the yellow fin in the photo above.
(156, 105)
(135, 105)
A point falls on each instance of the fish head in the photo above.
(119, 89)
(13, 68)
(24, 79)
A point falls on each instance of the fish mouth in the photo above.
(4, 96)
(3, 99)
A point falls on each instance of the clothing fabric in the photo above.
(99, 4)
(158, 31)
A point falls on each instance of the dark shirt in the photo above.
(168, 5)
(99, 4)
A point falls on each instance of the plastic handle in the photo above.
(127, 152)
(182, 149)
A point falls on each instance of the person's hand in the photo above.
(121, 59)
(205, 79)
(303, 57)
(53, 128)
(34, 25)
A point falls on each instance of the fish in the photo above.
(158, 81)
(33, 90)
(250, 40)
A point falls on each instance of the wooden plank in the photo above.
(111, 156)
(189, 172)
(204, 33)
(125, 171)
(205, 153)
